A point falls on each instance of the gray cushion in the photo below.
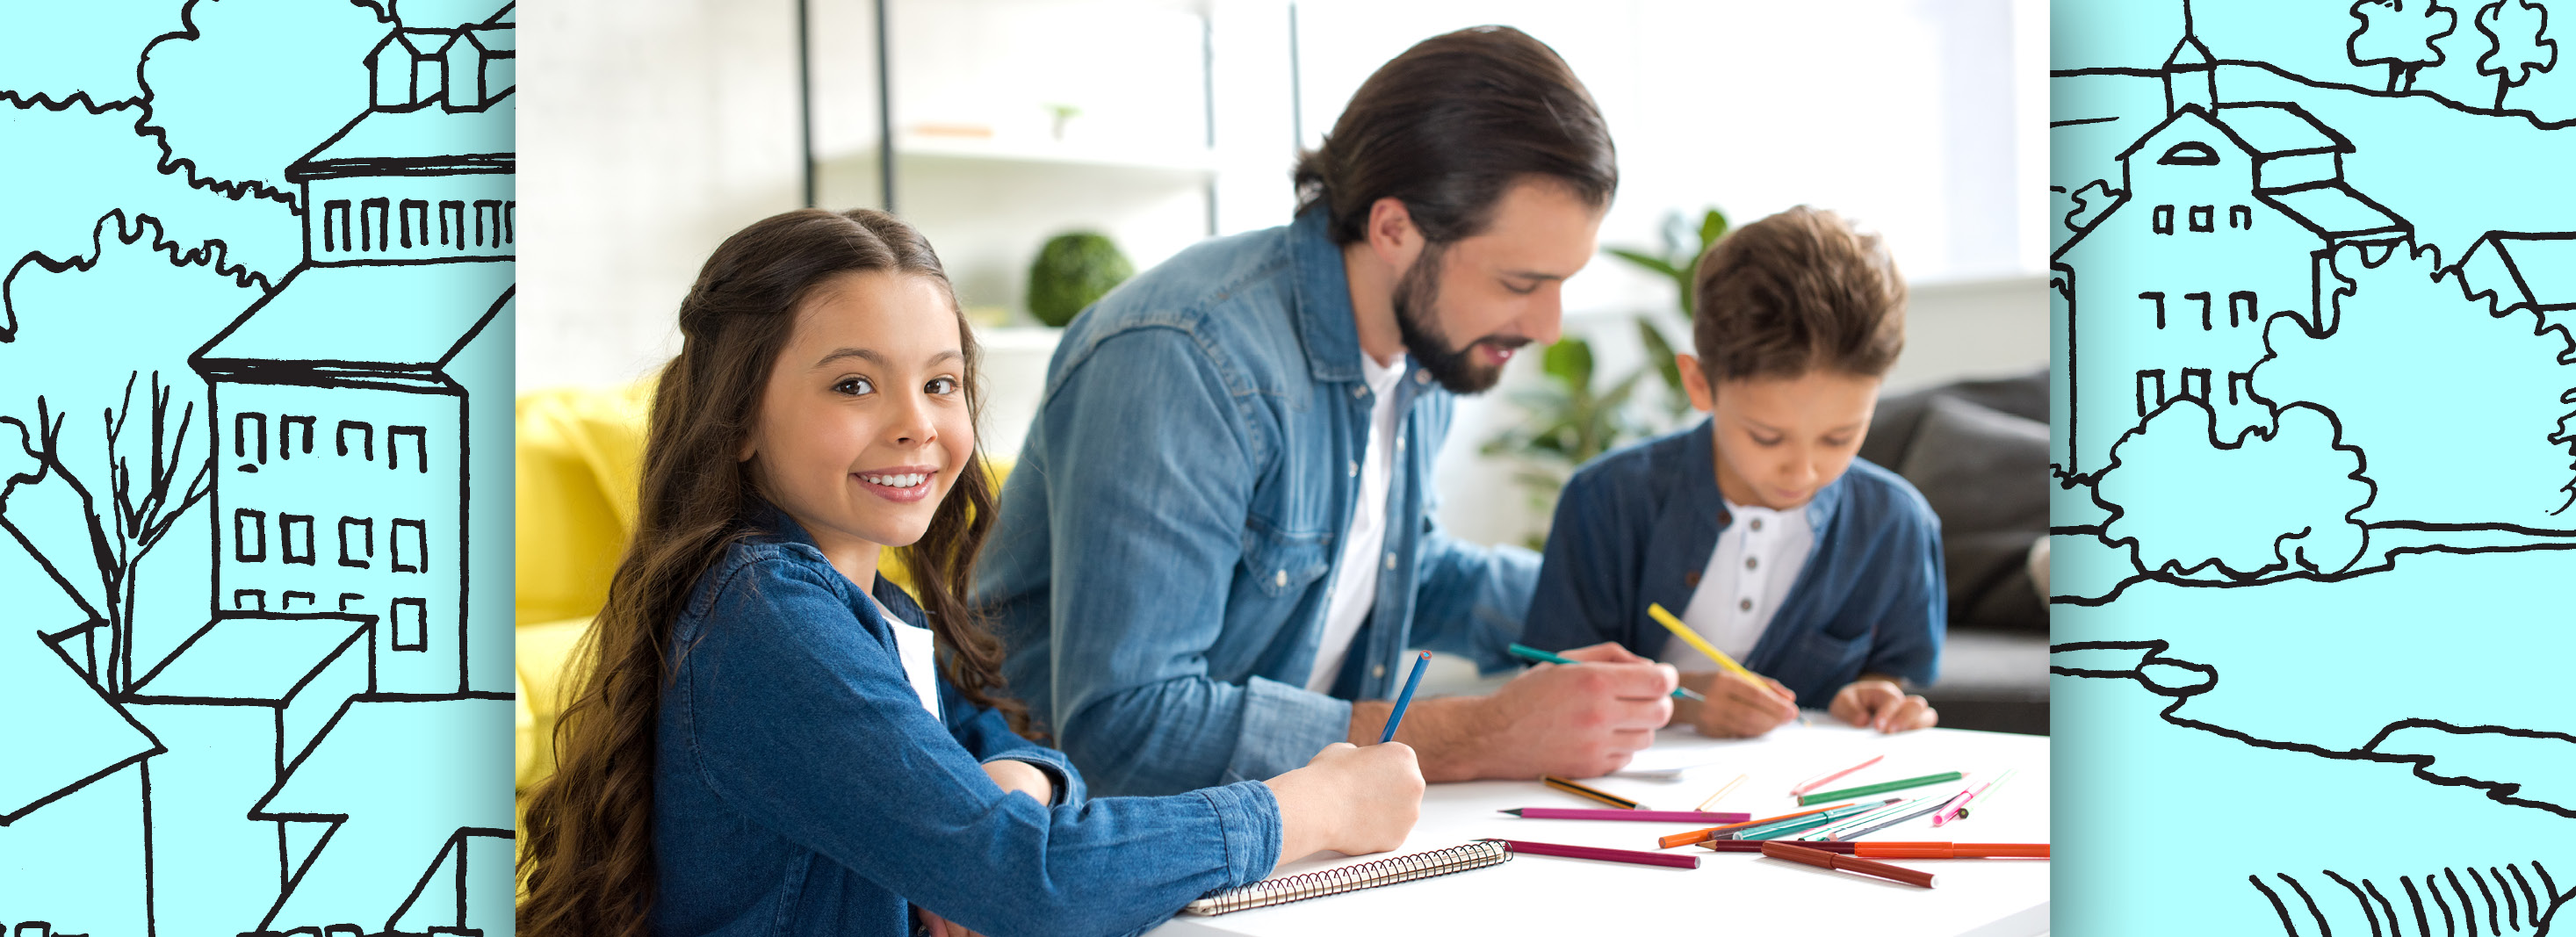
(1985, 472)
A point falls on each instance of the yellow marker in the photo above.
(1721, 792)
(1656, 611)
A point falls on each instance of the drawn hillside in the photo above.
(2316, 491)
(255, 377)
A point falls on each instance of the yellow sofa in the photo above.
(580, 454)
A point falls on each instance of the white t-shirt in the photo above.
(1355, 575)
(1749, 574)
(919, 651)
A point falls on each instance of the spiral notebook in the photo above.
(1404, 868)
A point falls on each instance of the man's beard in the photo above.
(1416, 297)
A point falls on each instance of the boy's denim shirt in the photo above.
(800, 788)
(1165, 544)
(1637, 526)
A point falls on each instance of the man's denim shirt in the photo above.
(1166, 543)
(1637, 527)
(800, 788)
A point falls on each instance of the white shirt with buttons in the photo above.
(1749, 574)
(1363, 548)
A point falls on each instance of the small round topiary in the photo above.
(1072, 272)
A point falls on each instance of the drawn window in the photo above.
(2204, 308)
(348, 597)
(2151, 390)
(487, 211)
(291, 530)
(2189, 154)
(2239, 216)
(250, 600)
(510, 222)
(335, 210)
(419, 446)
(411, 624)
(2201, 216)
(451, 222)
(250, 535)
(2162, 221)
(2195, 384)
(366, 438)
(366, 529)
(286, 603)
(409, 541)
(286, 427)
(2159, 300)
(375, 228)
(2240, 386)
(412, 209)
(2241, 303)
(250, 440)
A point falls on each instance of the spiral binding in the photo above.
(1405, 868)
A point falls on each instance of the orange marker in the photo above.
(1702, 836)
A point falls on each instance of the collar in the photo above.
(1322, 305)
(1699, 497)
(768, 524)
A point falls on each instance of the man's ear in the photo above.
(1703, 397)
(1391, 234)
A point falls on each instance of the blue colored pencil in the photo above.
(1406, 698)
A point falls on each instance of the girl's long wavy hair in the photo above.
(587, 869)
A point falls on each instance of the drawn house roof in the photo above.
(421, 140)
(64, 733)
(2523, 269)
(2329, 208)
(299, 333)
(2189, 53)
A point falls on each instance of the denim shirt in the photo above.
(1165, 546)
(801, 788)
(1637, 526)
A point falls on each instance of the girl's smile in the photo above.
(902, 484)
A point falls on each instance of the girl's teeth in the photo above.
(895, 481)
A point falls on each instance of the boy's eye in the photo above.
(1761, 440)
(1838, 442)
(941, 386)
(854, 386)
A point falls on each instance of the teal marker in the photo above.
(1526, 652)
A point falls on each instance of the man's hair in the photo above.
(1447, 126)
(1796, 292)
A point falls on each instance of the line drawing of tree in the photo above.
(140, 509)
(2288, 506)
(2390, 35)
(2513, 60)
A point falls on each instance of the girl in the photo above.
(764, 744)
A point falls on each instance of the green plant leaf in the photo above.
(1711, 227)
(1646, 260)
(1660, 353)
(1570, 361)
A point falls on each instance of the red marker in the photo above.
(1649, 816)
(1606, 855)
(1902, 850)
(1798, 852)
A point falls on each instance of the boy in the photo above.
(1760, 526)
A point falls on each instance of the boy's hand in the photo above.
(1878, 703)
(939, 926)
(1737, 708)
(1023, 777)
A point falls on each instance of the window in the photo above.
(2241, 303)
(286, 603)
(250, 600)
(419, 446)
(2162, 222)
(2204, 307)
(366, 528)
(375, 228)
(2195, 384)
(292, 528)
(366, 438)
(348, 597)
(2240, 383)
(411, 624)
(2239, 216)
(2151, 390)
(414, 208)
(286, 427)
(451, 218)
(2159, 300)
(2189, 154)
(414, 535)
(335, 209)
(2200, 218)
(250, 535)
(250, 440)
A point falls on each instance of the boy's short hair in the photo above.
(1796, 292)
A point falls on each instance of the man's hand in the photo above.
(1879, 703)
(1581, 720)
(1023, 777)
(1737, 708)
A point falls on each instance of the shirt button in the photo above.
(1691, 579)
(1421, 377)
(1399, 444)
(1744, 605)
(1757, 523)
(1281, 579)
(1390, 561)
(1355, 468)
(1359, 391)
(1750, 562)
(1379, 672)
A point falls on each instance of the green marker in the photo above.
(1866, 789)
(1526, 652)
(1779, 828)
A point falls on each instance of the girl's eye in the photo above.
(854, 386)
(941, 386)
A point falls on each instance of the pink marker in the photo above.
(1814, 783)
(1950, 811)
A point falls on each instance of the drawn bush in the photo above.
(2245, 509)
(237, 105)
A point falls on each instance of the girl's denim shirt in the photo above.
(800, 787)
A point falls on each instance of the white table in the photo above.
(1743, 892)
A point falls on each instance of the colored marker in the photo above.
(1900, 850)
(1655, 610)
(1796, 852)
(1700, 836)
(1526, 652)
(1721, 792)
(1406, 698)
(1886, 822)
(1894, 807)
(1984, 792)
(1950, 809)
(1650, 816)
(1868, 789)
(1824, 779)
(1797, 824)
(1582, 791)
(1634, 856)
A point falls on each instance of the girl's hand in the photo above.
(1349, 799)
(1022, 777)
(1878, 703)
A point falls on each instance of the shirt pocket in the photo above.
(1820, 663)
(1279, 564)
